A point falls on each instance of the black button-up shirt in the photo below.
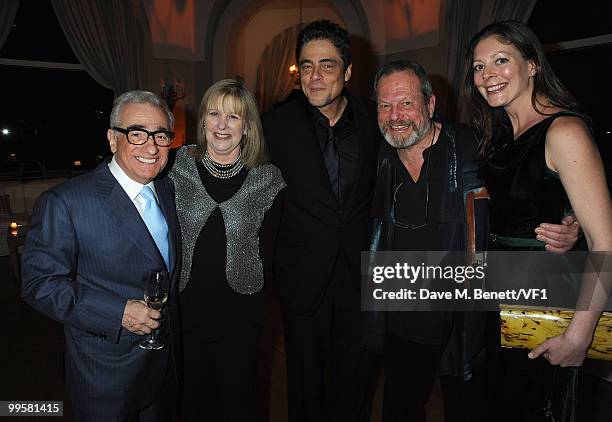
(346, 140)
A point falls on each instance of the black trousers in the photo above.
(410, 373)
(220, 381)
(328, 370)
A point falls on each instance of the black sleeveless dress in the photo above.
(524, 192)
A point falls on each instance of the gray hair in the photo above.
(405, 65)
(139, 97)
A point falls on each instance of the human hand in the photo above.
(559, 238)
(564, 350)
(139, 318)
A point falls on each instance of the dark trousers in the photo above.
(328, 370)
(465, 401)
(220, 381)
(410, 373)
(162, 409)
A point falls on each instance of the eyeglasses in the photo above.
(401, 224)
(162, 138)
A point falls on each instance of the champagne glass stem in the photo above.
(153, 338)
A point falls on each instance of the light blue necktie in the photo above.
(156, 223)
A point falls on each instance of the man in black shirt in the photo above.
(325, 145)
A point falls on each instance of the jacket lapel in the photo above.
(166, 202)
(361, 132)
(123, 211)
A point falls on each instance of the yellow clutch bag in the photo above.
(526, 328)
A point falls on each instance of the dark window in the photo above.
(37, 35)
(56, 116)
(564, 20)
(583, 70)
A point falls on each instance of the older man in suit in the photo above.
(325, 145)
(90, 248)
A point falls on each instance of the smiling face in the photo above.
(142, 163)
(403, 116)
(322, 73)
(501, 75)
(224, 130)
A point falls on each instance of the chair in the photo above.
(15, 246)
(14, 242)
(5, 207)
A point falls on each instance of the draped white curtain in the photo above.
(8, 10)
(463, 20)
(110, 38)
(274, 83)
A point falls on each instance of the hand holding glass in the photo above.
(155, 295)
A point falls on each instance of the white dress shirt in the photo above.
(131, 187)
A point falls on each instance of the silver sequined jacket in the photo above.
(242, 214)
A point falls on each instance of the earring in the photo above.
(204, 125)
(246, 132)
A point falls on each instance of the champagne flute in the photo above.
(155, 295)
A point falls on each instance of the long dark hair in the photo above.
(489, 120)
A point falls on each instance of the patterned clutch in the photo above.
(526, 328)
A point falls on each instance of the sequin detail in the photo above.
(242, 214)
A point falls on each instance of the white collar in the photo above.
(130, 186)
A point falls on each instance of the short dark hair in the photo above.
(326, 30)
(405, 65)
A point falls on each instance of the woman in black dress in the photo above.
(539, 161)
(227, 200)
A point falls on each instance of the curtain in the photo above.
(274, 83)
(8, 10)
(110, 38)
(463, 20)
(499, 10)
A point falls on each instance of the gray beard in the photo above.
(414, 138)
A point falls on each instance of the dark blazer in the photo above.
(87, 252)
(312, 231)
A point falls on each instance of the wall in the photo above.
(206, 40)
(259, 32)
(402, 25)
(426, 45)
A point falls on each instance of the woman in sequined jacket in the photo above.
(228, 205)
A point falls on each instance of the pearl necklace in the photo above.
(222, 171)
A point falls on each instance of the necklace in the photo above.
(222, 171)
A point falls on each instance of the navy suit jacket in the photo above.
(87, 252)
